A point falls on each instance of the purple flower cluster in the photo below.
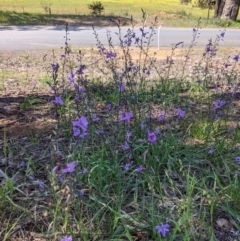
(219, 104)
(70, 168)
(71, 78)
(121, 87)
(180, 113)
(210, 49)
(125, 146)
(80, 126)
(57, 101)
(110, 55)
(125, 116)
(80, 70)
(142, 32)
(95, 118)
(128, 135)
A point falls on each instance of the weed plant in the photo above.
(140, 151)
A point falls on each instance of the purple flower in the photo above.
(128, 135)
(209, 46)
(31, 177)
(163, 229)
(95, 118)
(76, 131)
(236, 58)
(137, 40)
(180, 113)
(125, 116)
(61, 179)
(237, 159)
(67, 238)
(100, 132)
(143, 124)
(134, 68)
(85, 170)
(171, 61)
(222, 34)
(54, 67)
(143, 33)
(226, 65)
(58, 100)
(41, 185)
(82, 123)
(70, 168)
(161, 117)
(78, 89)
(125, 146)
(110, 55)
(81, 68)
(128, 42)
(157, 131)
(109, 107)
(140, 168)
(121, 87)
(71, 77)
(219, 104)
(127, 166)
(147, 72)
(211, 151)
(152, 137)
(81, 193)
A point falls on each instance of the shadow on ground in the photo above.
(14, 18)
(23, 116)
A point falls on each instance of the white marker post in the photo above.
(159, 28)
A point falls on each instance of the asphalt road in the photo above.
(17, 38)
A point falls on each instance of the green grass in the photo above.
(123, 183)
(31, 12)
(112, 7)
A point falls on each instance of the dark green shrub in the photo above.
(96, 7)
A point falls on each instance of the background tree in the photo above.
(96, 7)
(227, 9)
(224, 9)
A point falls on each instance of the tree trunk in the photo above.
(219, 5)
(227, 9)
(230, 10)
